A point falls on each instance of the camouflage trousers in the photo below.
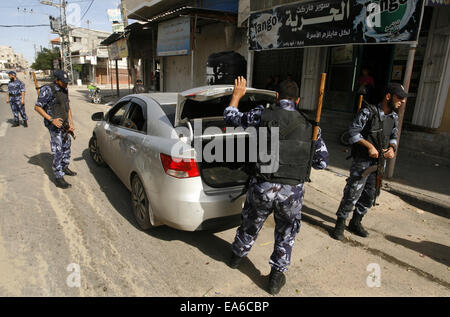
(286, 203)
(60, 144)
(359, 191)
(18, 108)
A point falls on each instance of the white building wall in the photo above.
(435, 77)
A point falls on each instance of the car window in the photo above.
(169, 110)
(135, 118)
(117, 114)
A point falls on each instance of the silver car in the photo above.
(136, 138)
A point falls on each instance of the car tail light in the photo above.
(179, 168)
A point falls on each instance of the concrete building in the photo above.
(170, 46)
(11, 60)
(90, 58)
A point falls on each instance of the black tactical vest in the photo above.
(295, 146)
(375, 131)
(60, 107)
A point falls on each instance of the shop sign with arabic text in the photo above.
(332, 22)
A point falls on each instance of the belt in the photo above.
(14, 95)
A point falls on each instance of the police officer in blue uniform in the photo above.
(16, 97)
(372, 125)
(53, 106)
(282, 191)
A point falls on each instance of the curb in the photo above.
(420, 200)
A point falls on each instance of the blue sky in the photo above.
(22, 40)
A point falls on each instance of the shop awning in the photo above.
(200, 13)
(112, 38)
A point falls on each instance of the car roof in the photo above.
(163, 98)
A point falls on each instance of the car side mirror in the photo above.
(98, 116)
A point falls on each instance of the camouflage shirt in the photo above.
(15, 89)
(361, 120)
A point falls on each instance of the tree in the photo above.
(44, 59)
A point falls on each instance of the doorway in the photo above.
(377, 61)
(345, 68)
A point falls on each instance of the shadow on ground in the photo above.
(310, 216)
(45, 161)
(436, 251)
(205, 241)
(422, 204)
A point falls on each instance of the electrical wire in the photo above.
(92, 1)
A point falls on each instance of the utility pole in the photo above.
(401, 113)
(63, 30)
(123, 10)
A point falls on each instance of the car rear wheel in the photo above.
(141, 206)
(94, 151)
(4, 87)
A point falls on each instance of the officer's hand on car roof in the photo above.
(240, 87)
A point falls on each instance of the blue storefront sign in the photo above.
(174, 37)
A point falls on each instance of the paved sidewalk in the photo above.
(419, 179)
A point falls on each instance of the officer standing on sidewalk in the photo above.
(53, 106)
(16, 96)
(281, 191)
(365, 137)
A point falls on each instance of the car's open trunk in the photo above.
(222, 172)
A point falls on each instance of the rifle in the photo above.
(35, 82)
(315, 135)
(379, 167)
(361, 98)
(66, 129)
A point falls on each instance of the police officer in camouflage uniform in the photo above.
(53, 106)
(372, 125)
(16, 96)
(275, 192)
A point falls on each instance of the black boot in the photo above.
(235, 261)
(15, 124)
(25, 124)
(69, 172)
(356, 227)
(61, 183)
(276, 281)
(338, 232)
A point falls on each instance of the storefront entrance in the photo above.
(345, 69)
(281, 63)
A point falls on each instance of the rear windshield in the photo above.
(169, 110)
(215, 107)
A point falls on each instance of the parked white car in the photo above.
(4, 80)
(136, 137)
